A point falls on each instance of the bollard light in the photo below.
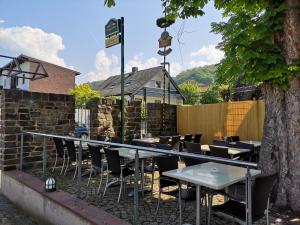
(50, 184)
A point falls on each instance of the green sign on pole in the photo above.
(112, 27)
(114, 33)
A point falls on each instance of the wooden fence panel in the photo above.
(224, 119)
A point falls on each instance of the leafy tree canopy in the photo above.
(83, 94)
(211, 95)
(190, 91)
(248, 38)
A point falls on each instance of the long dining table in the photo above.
(232, 151)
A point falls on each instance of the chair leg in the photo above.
(121, 186)
(107, 176)
(158, 201)
(67, 166)
(267, 211)
(101, 177)
(152, 180)
(62, 168)
(179, 202)
(54, 162)
(90, 177)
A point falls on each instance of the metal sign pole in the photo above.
(122, 81)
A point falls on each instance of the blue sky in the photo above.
(71, 33)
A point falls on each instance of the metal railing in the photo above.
(248, 165)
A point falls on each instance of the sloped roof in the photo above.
(23, 57)
(133, 82)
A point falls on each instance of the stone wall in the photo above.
(105, 118)
(155, 118)
(22, 111)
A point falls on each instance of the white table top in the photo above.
(147, 140)
(130, 153)
(203, 174)
(231, 150)
(255, 143)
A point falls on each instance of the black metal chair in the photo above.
(260, 202)
(72, 156)
(194, 148)
(164, 140)
(101, 137)
(60, 153)
(96, 162)
(197, 138)
(116, 139)
(247, 156)
(219, 151)
(187, 138)
(116, 170)
(235, 138)
(165, 163)
(175, 142)
(220, 143)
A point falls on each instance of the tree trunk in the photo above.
(280, 150)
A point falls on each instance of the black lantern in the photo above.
(50, 184)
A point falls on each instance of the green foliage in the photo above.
(203, 75)
(210, 96)
(83, 94)
(190, 91)
(250, 38)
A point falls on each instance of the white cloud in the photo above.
(33, 42)
(2, 21)
(108, 65)
(175, 69)
(209, 55)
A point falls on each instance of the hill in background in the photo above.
(203, 75)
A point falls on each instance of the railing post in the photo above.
(79, 161)
(44, 158)
(248, 197)
(136, 190)
(21, 151)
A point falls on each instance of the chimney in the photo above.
(135, 69)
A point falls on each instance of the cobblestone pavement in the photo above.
(11, 215)
(168, 212)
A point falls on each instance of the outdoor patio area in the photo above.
(168, 211)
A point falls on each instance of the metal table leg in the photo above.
(198, 202)
(142, 176)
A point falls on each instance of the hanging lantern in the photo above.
(50, 184)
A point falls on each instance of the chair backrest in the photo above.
(165, 163)
(164, 139)
(101, 137)
(96, 155)
(220, 143)
(244, 145)
(196, 149)
(188, 137)
(235, 138)
(175, 142)
(116, 139)
(163, 146)
(71, 149)
(59, 144)
(219, 151)
(197, 138)
(261, 191)
(113, 161)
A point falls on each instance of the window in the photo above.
(157, 84)
(23, 80)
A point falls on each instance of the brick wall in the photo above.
(154, 119)
(105, 118)
(31, 111)
(59, 80)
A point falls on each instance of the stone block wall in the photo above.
(105, 118)
(154, 119)
(22, 111)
